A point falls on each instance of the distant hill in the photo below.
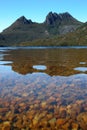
(24, 30)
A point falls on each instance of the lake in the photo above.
(43, 88)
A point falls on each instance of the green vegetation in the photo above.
(76, 38)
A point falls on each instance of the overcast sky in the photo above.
(37, 10)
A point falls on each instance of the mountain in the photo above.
(24, 30)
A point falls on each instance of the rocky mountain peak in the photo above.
(51, 18)
(54, 18)
(23, 20)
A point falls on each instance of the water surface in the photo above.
(43, 88)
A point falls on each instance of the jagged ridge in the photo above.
(54, 18)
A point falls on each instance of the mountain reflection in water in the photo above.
(58, 61)
(41, 89)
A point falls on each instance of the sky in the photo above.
(36, 10)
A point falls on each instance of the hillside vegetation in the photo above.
(76, 38)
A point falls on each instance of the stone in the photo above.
(52, 121)
(82, 119)
(75, 126)
(43, 104)
(66, 126)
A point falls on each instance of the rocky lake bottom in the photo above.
(43, 88)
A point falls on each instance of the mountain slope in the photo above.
(24, 30)
(76, 38)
